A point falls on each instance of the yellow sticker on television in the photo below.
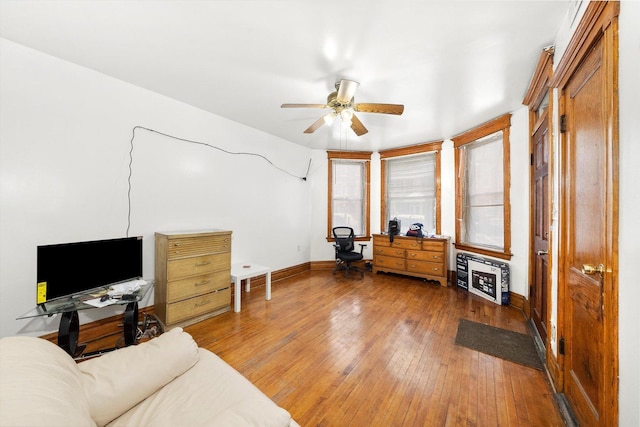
(42, 292)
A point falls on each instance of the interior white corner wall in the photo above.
(65, 139)
(448, 198)
(629, 235)
(519, 192)
(563, 37)
(375, 189)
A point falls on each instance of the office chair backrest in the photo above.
(345, 238)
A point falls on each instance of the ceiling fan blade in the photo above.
(346, 90)
(379, 108)
(357, 126)
(327, 118)
(303, 106)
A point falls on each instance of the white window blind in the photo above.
(411, 190)
(348, 195)
(483, 192)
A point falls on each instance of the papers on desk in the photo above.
(96, 302)
(116, 292)
(126, 288)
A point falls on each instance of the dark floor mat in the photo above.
(509, 345)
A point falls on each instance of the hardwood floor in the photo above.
(377, 352)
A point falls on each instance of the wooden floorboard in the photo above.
(377, 351)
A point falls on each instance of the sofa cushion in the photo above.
(117, 381)
(40, 384)
(211, 393)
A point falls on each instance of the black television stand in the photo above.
(69, 327)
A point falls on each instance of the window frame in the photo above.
(429, 147)
(365, 157)
(502, 123)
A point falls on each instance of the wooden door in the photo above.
(589, 229)
(539, 285)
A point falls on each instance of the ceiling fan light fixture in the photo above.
(346, 115)
(329, 118)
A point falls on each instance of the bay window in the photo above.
(349, 192)
(483, 222)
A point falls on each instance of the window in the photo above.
(483, 222)
(349, 192)
(411, 186)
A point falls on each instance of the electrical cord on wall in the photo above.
(304, 178)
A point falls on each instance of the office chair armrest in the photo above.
(362, 246)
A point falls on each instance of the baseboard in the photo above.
(322, 265)
(555, 373)
(517, 301)
(330, 265)
(281, 274)
(565, 410)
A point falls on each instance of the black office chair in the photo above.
(345, 250)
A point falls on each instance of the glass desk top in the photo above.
(79, 301)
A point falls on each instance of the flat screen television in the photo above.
(67, 269)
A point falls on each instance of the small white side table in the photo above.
(240, 272)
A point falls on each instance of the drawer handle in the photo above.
(398, 252)
(413, 255)
(200, 304)
(202, 283)
(176, 244)
(436, 257)
(435, 269)
(202, 264)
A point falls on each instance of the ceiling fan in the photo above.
(342, 105)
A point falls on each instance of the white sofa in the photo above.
(167, 381)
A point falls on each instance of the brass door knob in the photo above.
(591, 269)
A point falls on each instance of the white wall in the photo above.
(65, 136)
(629, 246)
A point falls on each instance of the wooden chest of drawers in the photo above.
(419, 257)
(192, 276)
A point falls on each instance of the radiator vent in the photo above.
(484, 277)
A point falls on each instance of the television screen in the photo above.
(71, 268)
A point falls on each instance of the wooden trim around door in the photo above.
(600, 22)
(538, 90)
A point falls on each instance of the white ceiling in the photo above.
(453, 64)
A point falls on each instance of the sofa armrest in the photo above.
(40, 384)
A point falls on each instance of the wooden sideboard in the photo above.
(412, 256)
(193, 276)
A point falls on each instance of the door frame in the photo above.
(540, 87)
(599, 21)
